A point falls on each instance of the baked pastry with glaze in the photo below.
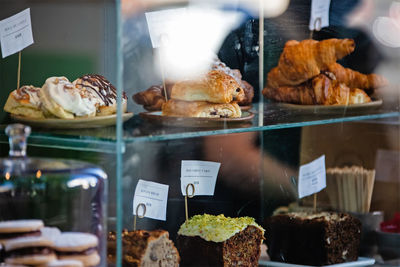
(321, 90)
(215, 87)
(144, 248)
(208, 240)
(25, 102)
(301, 61)
(103, 91)
(355, 79)
(201, 109)
(153, 98)
(62, 99)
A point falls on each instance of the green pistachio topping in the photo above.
(216, 228)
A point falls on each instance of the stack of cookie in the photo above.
(88, 96)
(29, 242)
(214, 95)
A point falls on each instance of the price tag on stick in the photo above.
(153, 196)
(312, 178)
(202, 174)
(319, 14)
(15, 35)
(198, 178)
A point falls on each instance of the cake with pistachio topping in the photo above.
(209, 240)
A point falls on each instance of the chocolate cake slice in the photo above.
(207, 240)
(313, 239)
(145, 248)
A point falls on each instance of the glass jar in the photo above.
(67, 194)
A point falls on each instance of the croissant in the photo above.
(303, 60)
(321, 90)
(355, 79)
(152, 98)
(215, 87)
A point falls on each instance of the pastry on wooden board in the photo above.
(321, 90)
(300, 61)
(25, 102)
(215, 87)
(355, 79)
(202, 109)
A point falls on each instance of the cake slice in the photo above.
(208, 240)
(313, 239)
(144, 248)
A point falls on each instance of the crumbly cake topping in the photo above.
(327, 216)
(216, 228)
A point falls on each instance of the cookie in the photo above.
(19, 228)
(78, 246)
(63, 263)
(50, 233)
(29, 251)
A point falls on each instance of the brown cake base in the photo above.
(242, 249)
(330, 239)
(145, 248)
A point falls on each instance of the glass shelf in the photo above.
(275, 117)
(139, 130)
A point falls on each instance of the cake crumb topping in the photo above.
(216, 228)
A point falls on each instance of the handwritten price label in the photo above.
(154, 196)
(312, 177)
(16, 33)
(202, 174)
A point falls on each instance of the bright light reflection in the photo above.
(7, 176)
(387, 29)
(38, 174)
(85, 183)
(197, 34)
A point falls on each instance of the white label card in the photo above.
(154, 196)
(319, 14)
(312, 177)
(16, 33)
(164, 24)
(202, 174)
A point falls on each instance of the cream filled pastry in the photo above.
(62, 99)
(25, 102)
(103, 91)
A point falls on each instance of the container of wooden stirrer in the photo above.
(350, 188)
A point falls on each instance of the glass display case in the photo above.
(291, 98)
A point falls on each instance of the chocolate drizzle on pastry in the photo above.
(102, 87)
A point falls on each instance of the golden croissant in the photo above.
(355, 79)
(321, 90)
(301, 61)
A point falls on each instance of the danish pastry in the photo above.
(215, 87)
(25, 102)
(178, 108)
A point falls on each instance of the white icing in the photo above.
(68, 97)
